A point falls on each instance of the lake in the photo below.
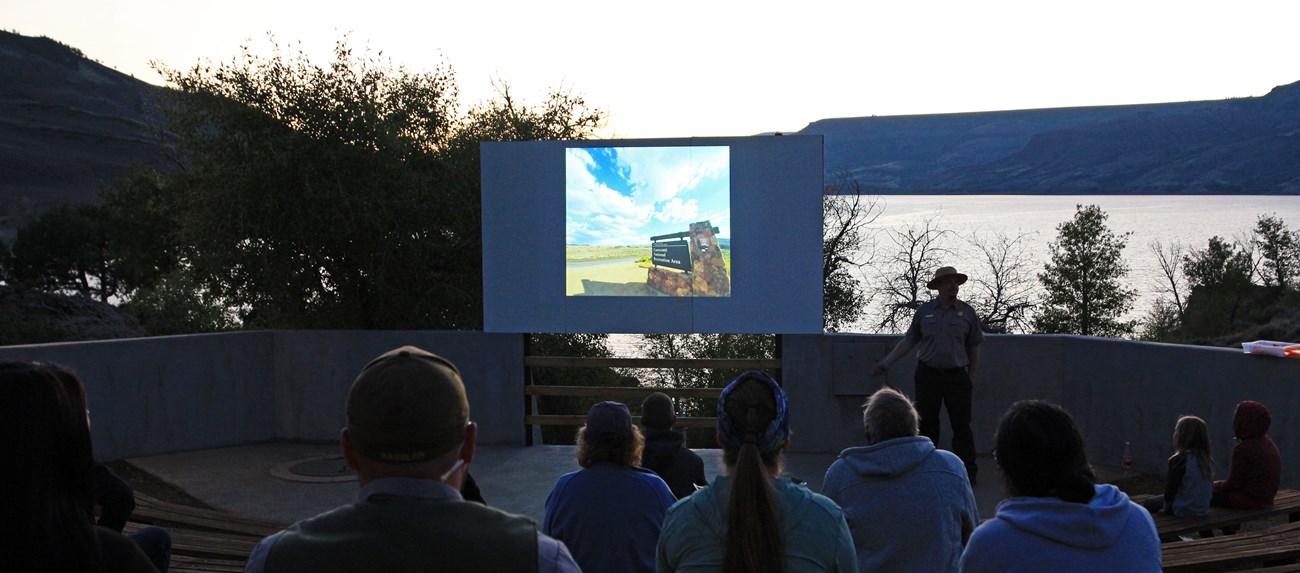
(1189, 219)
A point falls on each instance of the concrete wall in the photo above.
(176, 393)
(314, 370)
(169, 394)
(1117, 390)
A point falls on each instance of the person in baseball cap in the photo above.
(410, 440)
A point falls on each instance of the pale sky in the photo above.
(675, 68)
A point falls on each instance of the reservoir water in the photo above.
(1188, 219)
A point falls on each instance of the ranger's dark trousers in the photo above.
(949, 387)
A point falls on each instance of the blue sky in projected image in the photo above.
(625, 195)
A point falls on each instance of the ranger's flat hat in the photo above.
(944, 272)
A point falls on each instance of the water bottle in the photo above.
(1126, 460)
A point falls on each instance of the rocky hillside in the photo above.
(68, 126)
(1247, 146)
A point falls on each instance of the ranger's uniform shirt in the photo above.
(943, 334)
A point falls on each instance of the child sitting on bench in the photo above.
(1188, 485)
(1256, 470)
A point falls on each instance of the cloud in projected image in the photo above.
(625, 195)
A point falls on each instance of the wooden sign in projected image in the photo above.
(671, 254)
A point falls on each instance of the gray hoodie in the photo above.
(909, 506)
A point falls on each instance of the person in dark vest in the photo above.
(410, 440)
(665, 450)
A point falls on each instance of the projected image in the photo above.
(648, 221)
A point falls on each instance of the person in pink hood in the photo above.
(1256, 467)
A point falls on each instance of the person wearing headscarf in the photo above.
(753, 519)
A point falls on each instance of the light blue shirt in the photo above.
(817, 539)
(552, 555)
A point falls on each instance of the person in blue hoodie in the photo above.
(902, 480)
(609, 513)
(1058, 518)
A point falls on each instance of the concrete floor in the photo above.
(251, 479)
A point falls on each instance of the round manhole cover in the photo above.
(326, 469)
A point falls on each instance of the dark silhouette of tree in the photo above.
(847, 243)
(1082, 289)
(1001, 288)
(919, 249)
(66, 250)
(1219, 276)
(336, 196)
(1279, 251)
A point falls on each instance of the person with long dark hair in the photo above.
(49, 481)
(1057, 518)
(753, 520)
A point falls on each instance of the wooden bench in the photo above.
(1287, 502)
(1233, 552)
(203, 540)
(166, 514)
(1291, 568)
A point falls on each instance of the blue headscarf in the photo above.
(772, 437)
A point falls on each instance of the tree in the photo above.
(846, 246)
(1221, 264)
(1170, 259)
(1003, 289)
(1081, 282)
(66, 250)
(1164, 319)
(1162, 322)
(919, 248)
(1279, 249)
(1219, 276)
(343, 196)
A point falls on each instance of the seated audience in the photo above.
(1058, 518)
(902, 480)
(666, 453)
(410, 440)
(49, 477)
(752, 519)
(609, 513)
(1188, 482)
(1256, 469)
(116, 501)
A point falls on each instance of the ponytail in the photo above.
(753, 542)
(753, 428)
